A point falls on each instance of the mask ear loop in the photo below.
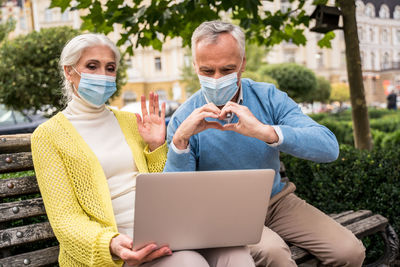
(73, 86)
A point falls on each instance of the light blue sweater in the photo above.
(226, 150)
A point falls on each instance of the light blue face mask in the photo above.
(96, 89)
(219, 91)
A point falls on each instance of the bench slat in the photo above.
(368, 225)
(15, 143)
(336, 216)
(21, 209)
(36, 258)
(25, 234)
(18, 186)
(14, 162)
(353, 217)
(300, 255)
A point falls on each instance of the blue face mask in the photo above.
(96, 89)
(219, 91)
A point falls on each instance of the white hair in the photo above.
(210, 30)
(73, 50)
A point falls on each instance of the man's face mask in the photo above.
(95, 88)
(219, 91)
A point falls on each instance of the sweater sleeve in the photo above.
(302, 136)
(156, 159)
(179, 162)
(83, 239)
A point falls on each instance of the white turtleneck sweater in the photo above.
(101, 131)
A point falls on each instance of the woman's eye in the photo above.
(110, 69)
(91, 67)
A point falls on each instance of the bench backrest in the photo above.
(23, 221)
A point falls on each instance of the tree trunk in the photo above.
(361, 129)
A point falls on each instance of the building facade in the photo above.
(161, 72)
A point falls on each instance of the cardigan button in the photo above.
(27, 261)
(8, 160)
(3, 140)
(15, 210)
(19, 234)
(10, 185)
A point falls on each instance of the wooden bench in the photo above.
(26, 238)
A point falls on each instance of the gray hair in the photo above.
(73, 50)
(210, 30)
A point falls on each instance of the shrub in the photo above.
(357, 180)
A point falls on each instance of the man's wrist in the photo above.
(268, 134)
(180, 142)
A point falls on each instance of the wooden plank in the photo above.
(14, 162)
(336, 216)
(21, 209)
(36, 258)
(25, 234)
(18, 186)
(300, 255)
(368, 225)
(15, 143)
(353, 217)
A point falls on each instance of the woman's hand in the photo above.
(121, 246)
(152, 126)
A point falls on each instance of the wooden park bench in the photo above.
(26, 238)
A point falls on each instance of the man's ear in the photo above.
(243, 64)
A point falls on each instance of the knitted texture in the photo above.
(75, 190)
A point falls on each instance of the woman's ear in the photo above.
(68, 72)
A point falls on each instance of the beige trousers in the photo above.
(213, 257)
(291, 219)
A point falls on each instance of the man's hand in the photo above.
(121, 246)
(248, 124)
(196, 123)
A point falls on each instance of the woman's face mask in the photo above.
(95, 88)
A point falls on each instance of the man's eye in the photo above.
(111, 69)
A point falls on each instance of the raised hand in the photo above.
(152, 125)
(196, 123)
(121, 246)
(248, 124)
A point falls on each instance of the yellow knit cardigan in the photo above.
(75, 190)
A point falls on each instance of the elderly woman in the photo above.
(86, 159)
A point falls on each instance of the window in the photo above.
(343, 58)
(396, 13)
(384, 35)
(360, 33)
(157, 62)
(320, 59)
(285, 6)
(372, 61)
(386, 61)
(48, 15)
(370, 10)
(289, 56)
(371, 35)
(360, 8)
(162, 95)
(65, 15)
(22, 23)
(129, 97)
(187, 59)
(384, 12)
(398, 35)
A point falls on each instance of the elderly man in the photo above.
(234, 123)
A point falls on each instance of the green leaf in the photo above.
(63, 4)
(326, 40)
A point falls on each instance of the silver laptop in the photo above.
(194, 210)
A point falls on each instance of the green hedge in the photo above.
(357, 180)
